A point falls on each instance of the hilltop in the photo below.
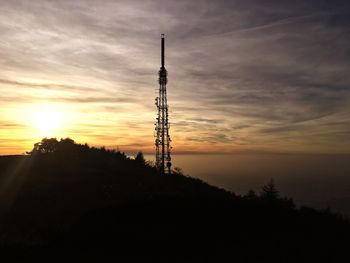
(67, 196)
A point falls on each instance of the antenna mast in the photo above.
(162, 125)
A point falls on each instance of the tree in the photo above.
(251, 195)
(178, 170)
(65, 145)
(50, 145)
(269, 191)
(140, 158)
(45, 146)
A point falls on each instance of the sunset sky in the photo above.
(243, 75)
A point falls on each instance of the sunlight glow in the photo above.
(46, 122)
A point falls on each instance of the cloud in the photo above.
(241, 73)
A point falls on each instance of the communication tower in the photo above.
(162, 125)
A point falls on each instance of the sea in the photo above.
(320, 181)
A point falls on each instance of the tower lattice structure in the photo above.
(162, 125)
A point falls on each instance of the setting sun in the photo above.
(46, 122)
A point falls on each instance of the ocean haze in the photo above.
(317, 180)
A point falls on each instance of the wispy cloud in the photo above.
(242, 74)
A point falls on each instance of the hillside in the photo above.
(67, 196)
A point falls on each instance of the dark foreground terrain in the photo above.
(65, 201)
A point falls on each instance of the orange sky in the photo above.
(241, 78)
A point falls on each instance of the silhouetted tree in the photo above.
(65, 145)
(140, 158)
(269, 191)
(178, 170)
(45, 146)
(251, 195)
(51, 145)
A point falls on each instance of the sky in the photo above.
(262, 76)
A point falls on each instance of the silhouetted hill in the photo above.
(78, 199)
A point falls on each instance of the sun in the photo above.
(47, 122)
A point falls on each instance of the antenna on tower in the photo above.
(162, 125)
(163, 53)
